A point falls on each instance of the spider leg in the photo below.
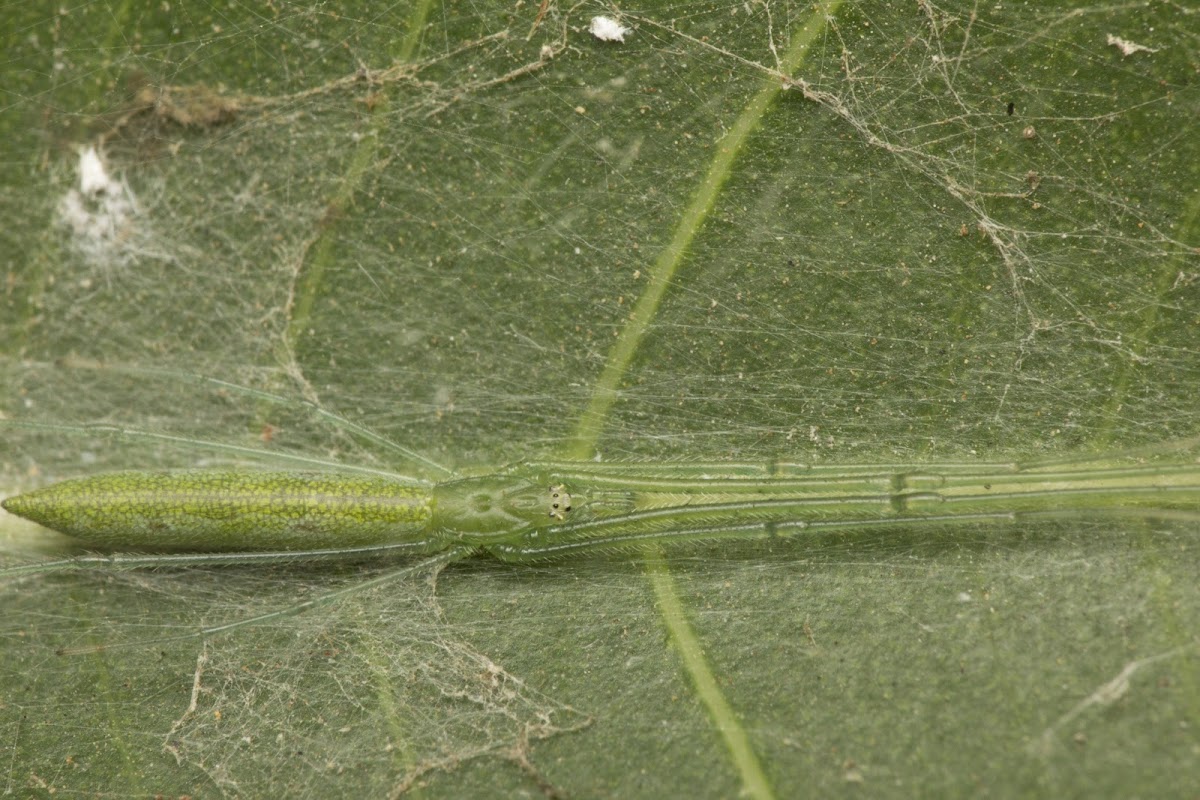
(143, 560)
(433, 563)
(615, 539)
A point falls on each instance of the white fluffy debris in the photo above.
(1127, 47)
(607, 29)
(93, 177)
(100, 212)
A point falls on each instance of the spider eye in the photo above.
(560, 502)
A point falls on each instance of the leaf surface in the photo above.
(864, 232)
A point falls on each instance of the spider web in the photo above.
(955, 231)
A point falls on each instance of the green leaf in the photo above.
(842, 233)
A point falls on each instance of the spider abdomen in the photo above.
(231, 510)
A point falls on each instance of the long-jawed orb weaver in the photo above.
(538, 511)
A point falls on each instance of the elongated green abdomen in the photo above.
(230, 510)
